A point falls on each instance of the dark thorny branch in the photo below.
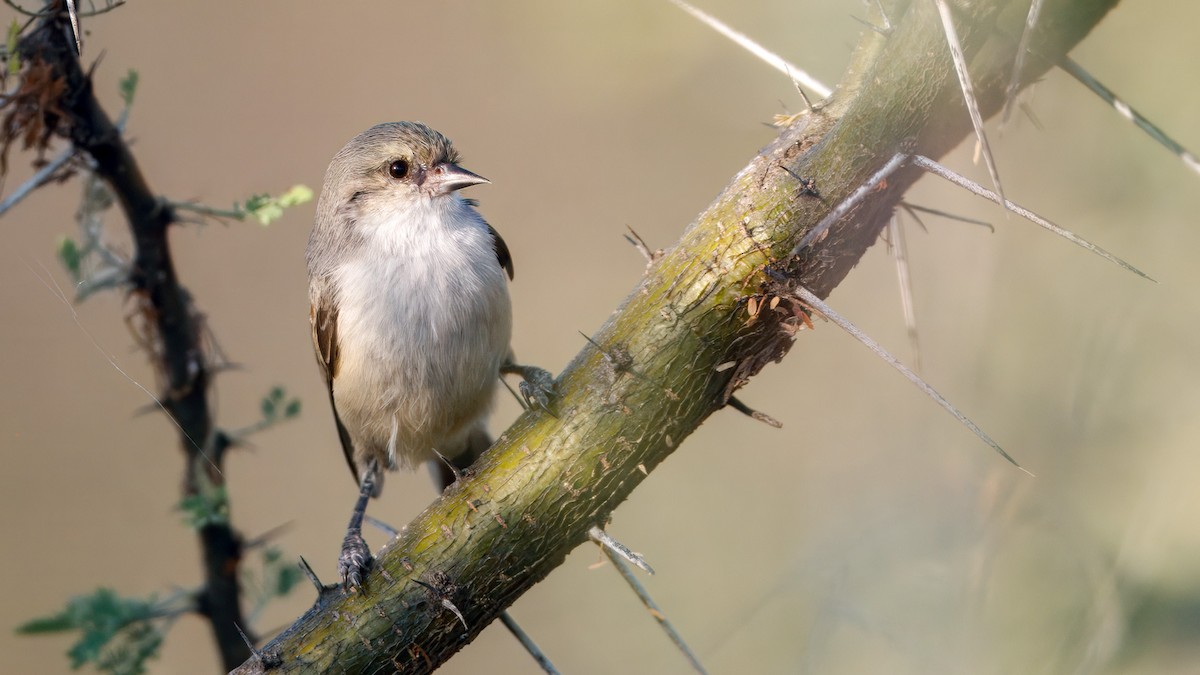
(55, 100)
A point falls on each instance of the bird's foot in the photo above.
(537, 386)
(354, 562)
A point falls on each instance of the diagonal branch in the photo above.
(708, 315)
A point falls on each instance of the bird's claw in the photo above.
(354, 561)
(537, 388)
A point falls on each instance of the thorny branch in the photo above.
(708, 315)
(55, 99)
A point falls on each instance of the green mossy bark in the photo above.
(708, 315)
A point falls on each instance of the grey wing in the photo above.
(322, 314)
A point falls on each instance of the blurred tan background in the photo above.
(871, 534)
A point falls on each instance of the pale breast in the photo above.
(424, 324)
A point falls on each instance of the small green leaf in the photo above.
(10, 48)
(267, 209)
(279, 575)
(292, 409)
(268, 408)
(70, 256)
(295, 196)
(268, 213)
(47, 624)
(128, 86)
(287, 579)
(209, 506)
(256, 202)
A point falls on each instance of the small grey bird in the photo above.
(411, 318)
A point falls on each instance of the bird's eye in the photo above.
(398, 169)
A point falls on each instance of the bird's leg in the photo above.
(355, 559)
(537, 385)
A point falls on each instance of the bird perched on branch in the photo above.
(410, 312)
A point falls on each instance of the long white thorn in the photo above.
(904, 279)
(1127, 112)
(887, 23)
(74, 15)
(605, 540)
(618, 561)
(38, 179)
(768, 57)
(968, 91)
(971, 186)
(1031, 19)
(527, 642)
(818, 304)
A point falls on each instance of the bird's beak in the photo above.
(447, 177)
